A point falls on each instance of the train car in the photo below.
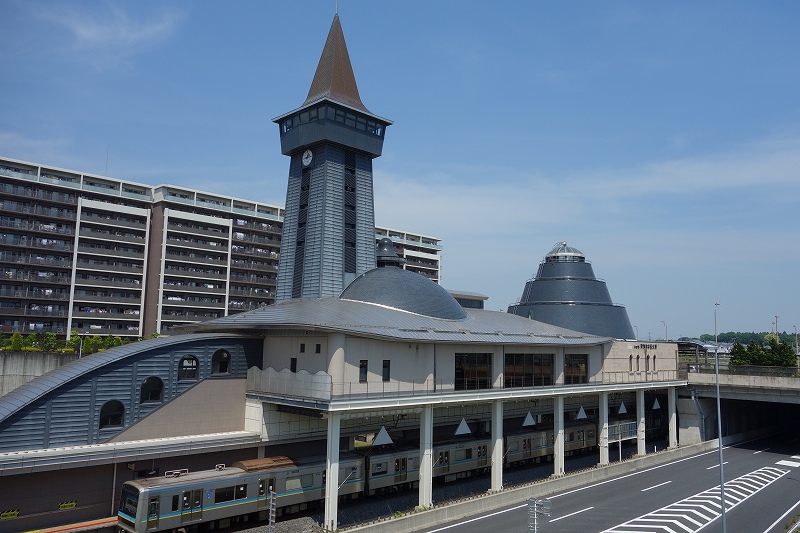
(226, 495)
(528, 447)
(457, 460)
(392, 470)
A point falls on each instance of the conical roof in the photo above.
(334, 78)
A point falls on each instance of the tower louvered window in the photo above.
(349, 211)
(300, 248)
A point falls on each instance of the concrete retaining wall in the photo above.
(18, 368)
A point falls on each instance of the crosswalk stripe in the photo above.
(788, 463)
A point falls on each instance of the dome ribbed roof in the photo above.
(404, 290)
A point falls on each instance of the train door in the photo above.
(483, 460)
(526, 448)
(265, 487)
(153, 512)
(400, 470)
(444, 461)
(192, 505)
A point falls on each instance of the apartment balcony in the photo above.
(252, 265)
(252, 293)
(178, 302)
(34, 294)
(110, 236)
(93, 219)
(193, 274)
(27, 311)
(96, 329)
(8, 257)
(97, 267)
(38, 278)
(103, 315)
(58, 197)
(251, 279)
(27, 328)
(193, 289)
(108, 252)
(102, 299)
(195, 245)
(192, 259)
(258, 239)
(60, 180)
(52, 212)
(274, 229)
(187, 229)
(88, 282)
(13, 173)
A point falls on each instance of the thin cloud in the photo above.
(107, 36)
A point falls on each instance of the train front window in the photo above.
(129, 501)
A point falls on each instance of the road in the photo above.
(762, 491)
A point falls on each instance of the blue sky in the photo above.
(662, 139)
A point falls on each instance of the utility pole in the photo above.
(719, 424)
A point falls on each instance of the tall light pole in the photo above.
(719, 423)
(666, 331)
(776, 329)
(795, 340)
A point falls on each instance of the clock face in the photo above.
(307, 157)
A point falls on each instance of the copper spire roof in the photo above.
(334, 78)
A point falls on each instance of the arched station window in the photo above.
(630, 363)
(187, 368)
(220, 362)
(112, 414)
(152, 390)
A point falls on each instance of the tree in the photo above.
(739, 355)
(49, 342)
(781, 354)
(74, 341)
(16, 342)
(755, 354)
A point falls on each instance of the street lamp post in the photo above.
(776, 329)
(719, 423)
(666, 331)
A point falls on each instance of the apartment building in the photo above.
(105, 256)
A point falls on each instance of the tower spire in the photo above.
(334, 78)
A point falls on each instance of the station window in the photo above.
(293, 364)
(576, 369)
(318, 348)
(387, 370)
(112, 414)
(362, 371)
(220, 362)
(152, 390)
(473, 371)
(187, 368)
(302, 347)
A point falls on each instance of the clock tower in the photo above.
(329, 223)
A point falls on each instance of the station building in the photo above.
(353, 345)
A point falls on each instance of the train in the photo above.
(216, 499)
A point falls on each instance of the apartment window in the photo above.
(293, 364)
(576, 369)
(112, 414)
(152, 390)
(302, 348)
(387, 370)
(318, 348)
(362, 371)
(473, 371)
(187, 368)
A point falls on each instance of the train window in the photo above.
(187, 368)
(220, 362)
(112, 414)
(293, 483)
(152, 390)
(308, 480)
(379, 468)
(175, 501)
(241, 492)
(223, 494)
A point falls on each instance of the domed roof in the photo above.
(405, 290)
(563, 253)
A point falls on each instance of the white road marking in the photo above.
(479, 518)
(570, 514)
(716, 465)
(788, 463)
(780, 519)
(759, 451)
(656, 486)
